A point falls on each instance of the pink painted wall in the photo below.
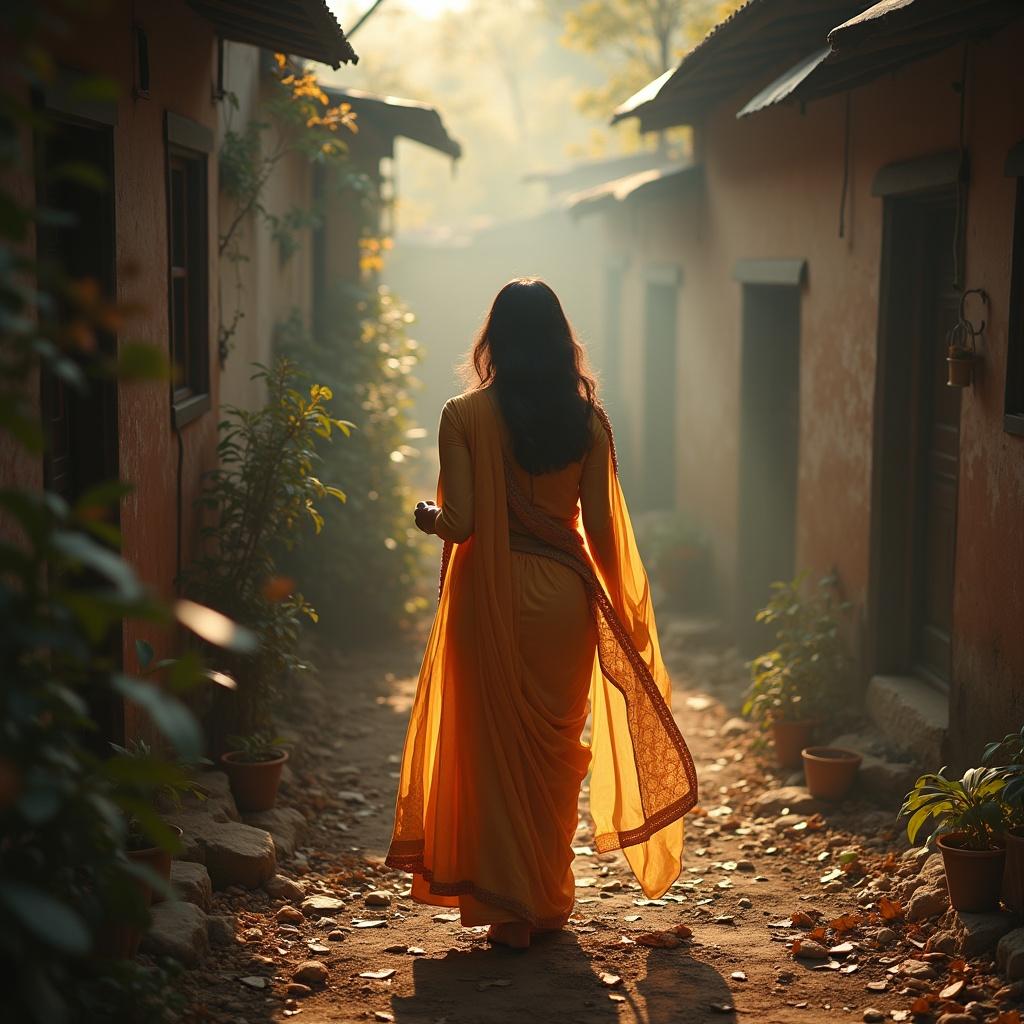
(772, 190)
(182, 52)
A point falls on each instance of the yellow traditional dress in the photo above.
(544, 615)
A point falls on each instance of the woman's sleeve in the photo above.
(455, 520)
(595, 501)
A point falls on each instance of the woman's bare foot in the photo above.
(514, 934)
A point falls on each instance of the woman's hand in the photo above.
(425, 514)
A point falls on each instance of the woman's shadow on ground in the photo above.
(557, 982)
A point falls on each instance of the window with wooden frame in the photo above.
(1013, 410)
(188, 147)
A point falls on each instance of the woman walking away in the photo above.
(542, 618)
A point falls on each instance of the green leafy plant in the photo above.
(260, 502)
(363, 576)
(298, 121)
(972, 805)
(1007, 756)
(65, 879)
(797, 678)
(677, 555)
(256, 747)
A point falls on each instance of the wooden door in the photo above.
(660, 325)
(938, 455)
(917, 447)
(769, 440)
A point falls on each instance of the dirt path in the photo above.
(744, 875)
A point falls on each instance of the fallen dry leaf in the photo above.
(802, 919)
(684, 931)
(845, 923)
(891, 910)
(659, 940)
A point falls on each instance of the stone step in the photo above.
(191, 881)
(232, 852)
(912, 716)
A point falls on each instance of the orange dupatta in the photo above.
(642, 776)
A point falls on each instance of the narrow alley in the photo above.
(765, 866)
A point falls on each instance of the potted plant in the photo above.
(791, 684)
(150, 840)
(1007, 756)
(254, 770)
(830, 772)
(678, 557)
(969, 816)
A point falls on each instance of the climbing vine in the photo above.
(300, 122)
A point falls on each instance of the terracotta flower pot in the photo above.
(1013, 874)
(254, 783)
(830, 772)
(974, 877)
(790, 739)
(158, 860)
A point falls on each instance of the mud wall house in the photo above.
(861, 169)
(149, 240)
(343, 208)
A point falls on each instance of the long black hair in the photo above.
(527, 351)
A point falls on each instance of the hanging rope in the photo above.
(846, 170)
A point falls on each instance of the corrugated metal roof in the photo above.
(644, 96)
(761, 37)
(399, 118)
(631, 186)
(306, 28)
(786, 84)
(891, 34)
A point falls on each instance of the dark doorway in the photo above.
(769, 438)
(78, 246)
(81, 429)
(660, 341)
(918, 440)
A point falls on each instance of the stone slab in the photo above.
(911, 716)
(177, 930)
(285, 824)
(192, 883)
(1010, 954)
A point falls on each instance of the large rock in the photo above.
(887, 782)
(233, 853)
(927, 901)
(1010, 954)
(910, 715)
(192, 883)
(237, 854)
(285, 824)
(322, 906)
(177, 930)
(980, 933)
(218, 802)
(773, 802)
(282, 888)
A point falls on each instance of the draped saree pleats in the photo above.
(537, 619)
